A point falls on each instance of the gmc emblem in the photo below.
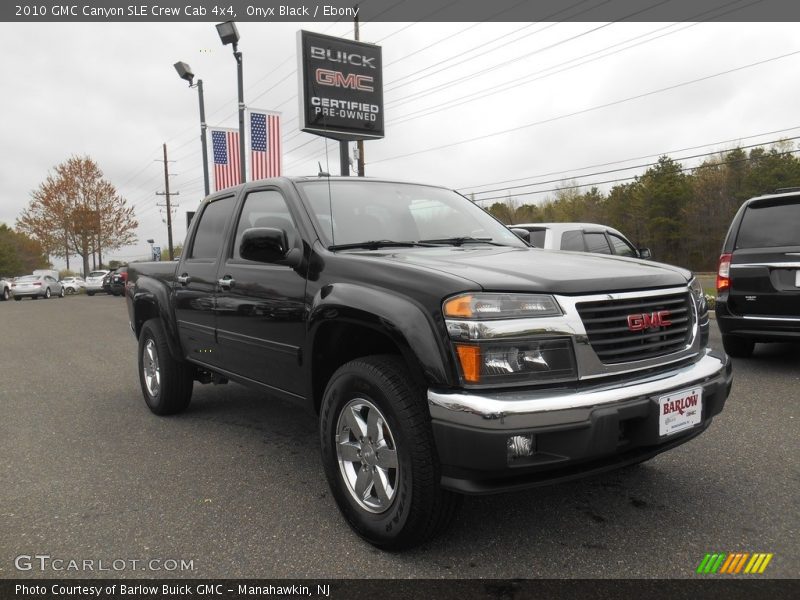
(644, 321)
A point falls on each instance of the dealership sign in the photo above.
(341, 87)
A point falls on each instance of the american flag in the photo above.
(265, 144)
(225, 144)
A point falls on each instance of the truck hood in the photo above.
(534, 270)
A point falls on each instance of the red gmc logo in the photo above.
(362, 83)
(644, 321)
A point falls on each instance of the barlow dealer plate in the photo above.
(679, 410)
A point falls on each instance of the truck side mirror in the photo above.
(264, 244)
(645, 253)
(522, 234)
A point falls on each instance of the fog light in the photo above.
(520, 446)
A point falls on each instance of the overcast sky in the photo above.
(567, 96)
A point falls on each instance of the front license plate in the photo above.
(679, 411)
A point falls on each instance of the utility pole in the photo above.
(359, 143)
(169, 207)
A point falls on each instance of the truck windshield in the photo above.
(365, 211)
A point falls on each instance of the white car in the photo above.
(94, 282)
(5, 288)
(73, 285)
(581, 237)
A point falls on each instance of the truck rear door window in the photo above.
(211, 229)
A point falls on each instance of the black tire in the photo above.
(17, 298)
(6, 294)
(173, 390)
(90, 293)
(61, 294)
(47, 294)
(417, 508)
(738, 347)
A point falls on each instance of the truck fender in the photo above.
(421, 341)
(151, 299)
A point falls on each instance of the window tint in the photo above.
(572, 240)
(373, 210)
(596, 242)
(266, 208)
(208, 237)
(770, 226)
(537, 237)
(621, 247)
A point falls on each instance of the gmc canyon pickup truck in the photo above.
(441, 354)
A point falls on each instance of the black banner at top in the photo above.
(341, 95)
(394, 11)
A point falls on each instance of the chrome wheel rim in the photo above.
(150, 369)
(367, 455)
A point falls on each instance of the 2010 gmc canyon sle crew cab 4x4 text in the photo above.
(441, 353)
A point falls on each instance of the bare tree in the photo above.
(76, 211)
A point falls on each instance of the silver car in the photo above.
(94, 282)
(36, 286)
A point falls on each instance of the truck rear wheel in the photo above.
(379, 455)
(166, 382)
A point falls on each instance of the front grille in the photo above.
(607, 326)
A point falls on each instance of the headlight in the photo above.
(535, 361)
(500, 306)
(699, 296)
(526, 354)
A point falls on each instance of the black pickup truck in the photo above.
(441, 354)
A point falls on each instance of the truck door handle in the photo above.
(184, 279)
(226, 283)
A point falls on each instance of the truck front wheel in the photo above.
(379, 455)
(166, 382)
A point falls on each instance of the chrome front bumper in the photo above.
(507, 410)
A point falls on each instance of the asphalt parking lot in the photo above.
(235, 487)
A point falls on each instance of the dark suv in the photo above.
(758, 281)
(114, 282)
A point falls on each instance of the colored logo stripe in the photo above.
(734, 563)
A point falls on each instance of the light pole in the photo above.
(228, 34)
(185, 72)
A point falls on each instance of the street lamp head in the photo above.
(151, 241)
(184, 71)
(228, 33)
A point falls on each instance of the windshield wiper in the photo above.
(375, 244)
(459, 241)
